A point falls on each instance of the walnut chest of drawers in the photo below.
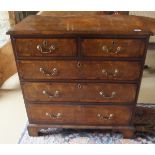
(80, 72)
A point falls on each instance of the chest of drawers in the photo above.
(78, 72)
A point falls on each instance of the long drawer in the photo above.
(81, 115)
(46, 47)
(113, 47)
(79, 92)
(101, 70)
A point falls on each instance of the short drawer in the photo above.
(101, 70)
(79, 92)
(81, 115)
(113, 47)
(45, 47)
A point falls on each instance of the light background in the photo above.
(78, 5)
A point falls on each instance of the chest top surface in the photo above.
(95, 24)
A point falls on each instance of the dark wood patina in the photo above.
(82, 72)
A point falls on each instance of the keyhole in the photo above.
(78, 64)
(45, 43)
(113, 43)
(79, 86)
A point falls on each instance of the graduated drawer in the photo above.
(45, 47)
(79, 92)
(82, 115)
(101, 70)
(113, 47)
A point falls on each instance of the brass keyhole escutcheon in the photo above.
(79, 86)
(79, 64)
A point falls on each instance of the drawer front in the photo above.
(79, 92)
(113, 47)
(46, 47)
(101, 70)
(81, 115)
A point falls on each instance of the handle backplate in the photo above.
(51, 73)
(110, 73)
(51, 95)
(45, 48)
(104, 95)
(54, 115)
(105, 117)
(112, 49)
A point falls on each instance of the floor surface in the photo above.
(4, 26)
(12, 116)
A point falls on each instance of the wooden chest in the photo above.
(80, 72)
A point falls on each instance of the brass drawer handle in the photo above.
(113, 94)
(51, 95)
(45, 48)
(105, 117)
(46, 73)
(54, 116)
(114, 74)
(112, 49)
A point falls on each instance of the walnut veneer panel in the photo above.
(80, 92)
(107, 24)
(113, 47)
(82, 115)
(46, 47)
(101, 70)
